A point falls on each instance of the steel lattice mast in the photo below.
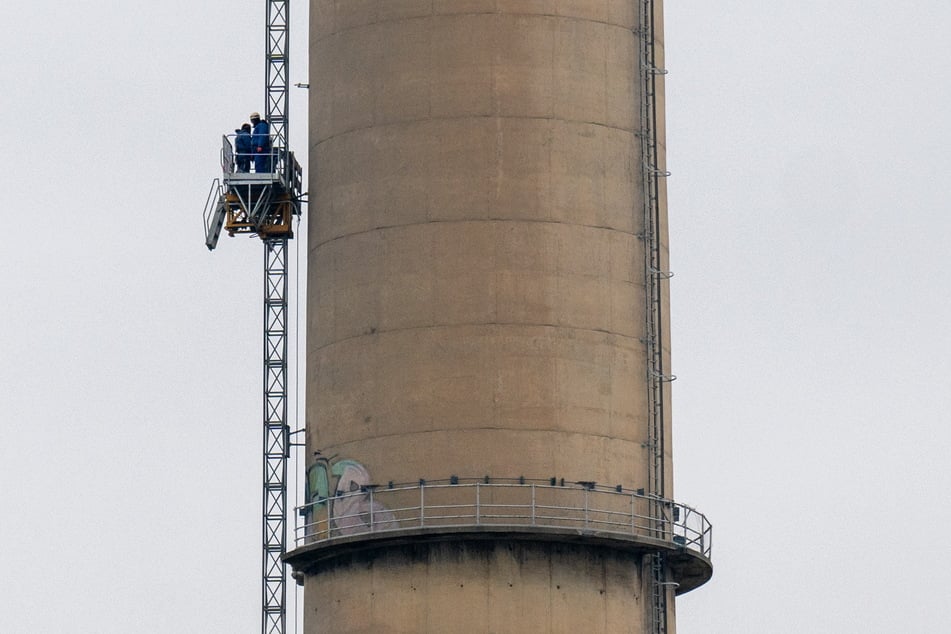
(276, 437)
(276, 430)
(275, 79)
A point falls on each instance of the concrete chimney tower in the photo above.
(488, 358)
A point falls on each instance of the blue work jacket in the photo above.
(261, 137)
(243, 144)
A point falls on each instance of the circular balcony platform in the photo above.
(375, 518)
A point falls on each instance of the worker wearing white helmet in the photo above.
(261, 141)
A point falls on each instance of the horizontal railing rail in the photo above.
(519, 504)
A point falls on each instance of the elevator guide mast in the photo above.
(263, 203)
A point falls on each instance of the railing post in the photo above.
(586, 508)
(422, 504)
(478, 508)
(633, 515)
(533, 504)
(371, 511)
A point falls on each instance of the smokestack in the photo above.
(487, 341)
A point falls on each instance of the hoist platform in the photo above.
(258, 203)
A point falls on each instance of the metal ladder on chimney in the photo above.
(654, 277)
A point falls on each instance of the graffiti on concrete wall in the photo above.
(339, 495)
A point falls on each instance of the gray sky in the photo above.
(809, 208)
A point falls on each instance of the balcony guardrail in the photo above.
(572, 508)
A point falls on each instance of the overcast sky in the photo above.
(809, 208)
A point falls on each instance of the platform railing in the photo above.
(279, 161)
(573, 508)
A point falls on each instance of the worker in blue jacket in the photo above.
(243, 148)
(261, 141)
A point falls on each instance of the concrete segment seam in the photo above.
(633, 131)
(318, 245)
(566, 18)
(474, 325)
(341, 447)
